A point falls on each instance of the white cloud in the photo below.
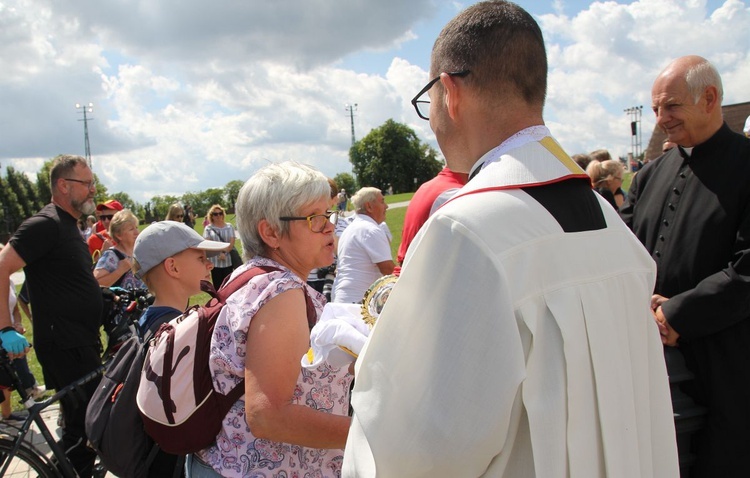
(605, 58)
(190, 95)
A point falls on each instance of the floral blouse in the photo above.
(109, 262)
(237, 453)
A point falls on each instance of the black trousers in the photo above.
(62, 367)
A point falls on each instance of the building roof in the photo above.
(734, 115)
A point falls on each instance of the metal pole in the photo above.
(350, 109)
(87, 146)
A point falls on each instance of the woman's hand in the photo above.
(106, 278)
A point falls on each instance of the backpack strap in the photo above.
(230, 287)
(120, 257)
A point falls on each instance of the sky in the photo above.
(188, 95)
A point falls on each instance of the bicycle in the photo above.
(19, 456)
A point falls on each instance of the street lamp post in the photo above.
(350, 109)
(90, 109)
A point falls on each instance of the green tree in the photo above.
(232, 190)
(24, 190)
(202, 200)
(11, 210)
(160, 206)
(124, 199)
(148, 214)
(346, 181)
(128, 202)
(392, 155)
(42, 182)
(195, 201)
(213, 196)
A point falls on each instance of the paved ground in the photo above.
(398, 204)
(50, 416)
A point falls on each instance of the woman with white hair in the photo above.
(289, 421)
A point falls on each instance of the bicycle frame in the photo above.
(35, 408)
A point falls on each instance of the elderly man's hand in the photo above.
(669, 336)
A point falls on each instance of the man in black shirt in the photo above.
(691, 209)
(65, 297)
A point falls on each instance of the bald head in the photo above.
(686, 98)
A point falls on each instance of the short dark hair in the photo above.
(62, 166)
(502, 46)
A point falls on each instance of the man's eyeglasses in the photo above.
(316, 222)
(219, 213)
(106, 217)
(88, 184)
(423, 105)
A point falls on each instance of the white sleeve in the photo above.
(377, 246)
(437, 382)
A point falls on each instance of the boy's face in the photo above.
(194, 267)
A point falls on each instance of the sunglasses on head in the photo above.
(218, 213)
(106, 217)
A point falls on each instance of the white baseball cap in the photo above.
(164, 239)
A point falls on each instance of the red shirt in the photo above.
(421, 204)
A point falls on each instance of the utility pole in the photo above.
(635, 113)
(90, 109)
(350, 109)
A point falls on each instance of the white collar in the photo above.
(526, 135)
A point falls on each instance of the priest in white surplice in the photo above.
(518, 341)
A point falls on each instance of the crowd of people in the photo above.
(504, 349)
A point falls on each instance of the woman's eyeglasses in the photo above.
(219, 213)
(316, 222)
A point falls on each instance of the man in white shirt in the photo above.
(505, 348)
(364, 252)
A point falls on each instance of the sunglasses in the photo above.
(106, 217)
(217, 213)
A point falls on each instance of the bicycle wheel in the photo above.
(26, 463)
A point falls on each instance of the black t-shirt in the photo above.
(65, 296)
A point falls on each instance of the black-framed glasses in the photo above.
(316, 222)
(423, 105)
(106, 217)
(88, 184)
(218, 213)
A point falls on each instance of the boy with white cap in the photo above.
(171, 258)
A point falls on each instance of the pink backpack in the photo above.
(181, 411)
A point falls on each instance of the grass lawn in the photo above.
(394, 219)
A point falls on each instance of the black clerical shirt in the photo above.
(693, 215)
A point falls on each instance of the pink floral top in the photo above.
(237, 453)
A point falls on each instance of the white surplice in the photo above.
(509, 348)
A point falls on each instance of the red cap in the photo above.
(111, 204)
